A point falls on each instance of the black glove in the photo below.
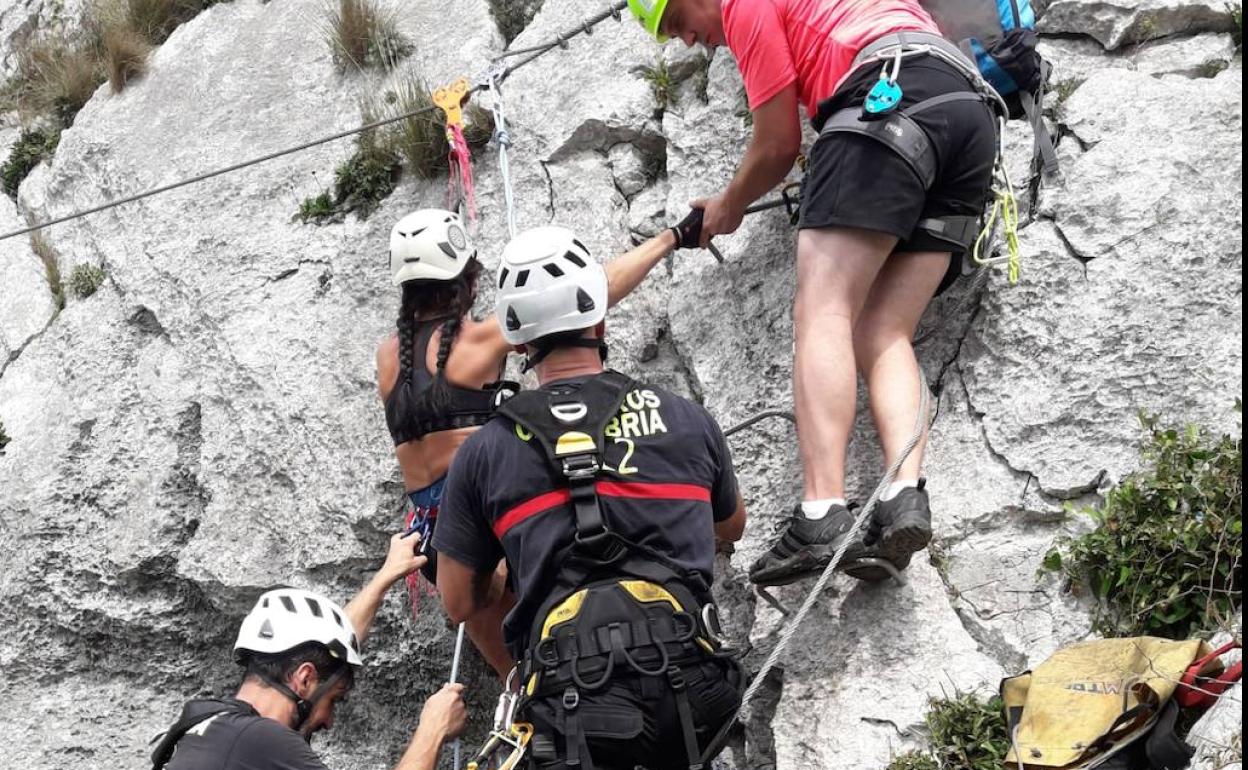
(689, 231)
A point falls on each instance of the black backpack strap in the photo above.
(1164, 748)
(569, 421)
(169, 741)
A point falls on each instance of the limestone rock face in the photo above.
(1115, 23)
(206, 425)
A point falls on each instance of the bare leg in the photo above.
(835, 270)
(485, 629)
(885, 353)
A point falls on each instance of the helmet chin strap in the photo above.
(547, 348)
(305, 706)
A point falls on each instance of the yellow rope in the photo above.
(1004, 213)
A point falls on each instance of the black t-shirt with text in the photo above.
(235, 737)
(667, 479)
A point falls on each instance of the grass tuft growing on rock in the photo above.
(363, 34)
(421, 140)
(85, 280)
(1236, 10)
(4, 437)
(1165, 558)
(512, 16)
(32, 147)
(54, 77)
(965, 732)
(51, 268)
(155, 20)
(124, 52)
(662, 84)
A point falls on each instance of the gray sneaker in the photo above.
(806, 547)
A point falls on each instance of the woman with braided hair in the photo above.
(435, 373)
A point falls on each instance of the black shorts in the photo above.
(856, 181)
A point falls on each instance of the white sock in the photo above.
(817, 509)
(895, 488)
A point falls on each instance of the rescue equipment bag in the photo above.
(1105, 703)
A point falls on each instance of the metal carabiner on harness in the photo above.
(886, 94)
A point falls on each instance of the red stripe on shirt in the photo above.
(626, 489)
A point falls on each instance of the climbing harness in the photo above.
(613, 605)
(799, 616)
(895, 128)
(450, 99)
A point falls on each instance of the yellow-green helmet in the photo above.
(650, 14)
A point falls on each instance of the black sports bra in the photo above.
(410, 410)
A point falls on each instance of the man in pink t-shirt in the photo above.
(866, 269)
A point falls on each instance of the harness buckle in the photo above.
(578, 467)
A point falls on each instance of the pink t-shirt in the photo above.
(813, 42)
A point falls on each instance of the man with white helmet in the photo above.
(301, 652)
(605, 496)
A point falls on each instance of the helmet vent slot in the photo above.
(553, 269)
(502, 277)
(289, 604)
(584, 302)
(315, 606)
(574, 259)
(522, 278)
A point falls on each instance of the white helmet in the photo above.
(430, 245)
(548, 283)
(288, 617)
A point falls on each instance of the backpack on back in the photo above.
(1000, 37)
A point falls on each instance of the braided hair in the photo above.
(451, 300)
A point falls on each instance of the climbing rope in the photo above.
(1001, 216)
(560, 41)
(790, 629)
(503, 139)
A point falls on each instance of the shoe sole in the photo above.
(808, 562)
(898, 544)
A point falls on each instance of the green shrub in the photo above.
(964, 732)
(32, 147)
(1165, 557)
(85, 279)
(367, 177)
(512, 16)
(362, 34)
(4, 437)
(318, 208)
(1237, 17)
(51, 268)
(913, 760)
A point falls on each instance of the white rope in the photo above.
(790, 629)
(503, 138)
(459, 649)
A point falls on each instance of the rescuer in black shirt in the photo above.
(664, 486)
(301, 652)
